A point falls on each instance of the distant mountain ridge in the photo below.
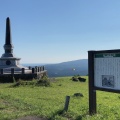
(69, 68)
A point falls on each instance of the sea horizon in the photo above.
(35, 64)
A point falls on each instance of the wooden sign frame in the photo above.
(94, 77)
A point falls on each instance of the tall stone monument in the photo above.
(10, 65)
(8, 59)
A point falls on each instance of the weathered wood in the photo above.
(33, 70)
(67, 103)
(1, 71)
(92, 92)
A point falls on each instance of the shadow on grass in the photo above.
(65, 114)
(80, 117)
(59, 112)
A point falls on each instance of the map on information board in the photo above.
(108, 81)
(107, 70)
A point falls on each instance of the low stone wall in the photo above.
(35, 73)
(8, 78)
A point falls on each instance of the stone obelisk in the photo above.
(8, 59)
(8, 47)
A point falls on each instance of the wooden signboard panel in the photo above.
(104, 74)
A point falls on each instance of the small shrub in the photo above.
(21, 82)
(82, 79)
(78, 78)
(78, 95)
(60, 85)
(75, 79)
(44, 81)
(119, 97)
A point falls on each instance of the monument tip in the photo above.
(7, 18)
(8, 40)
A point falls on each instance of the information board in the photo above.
(107, 70)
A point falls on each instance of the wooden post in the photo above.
(92, 91)
(33, 70)
(29, 67)
(66, 103)
(36, 69)
(40, 69)
(23, 70)
(12, 71)
(1, 71)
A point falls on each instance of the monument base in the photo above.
(11, 62)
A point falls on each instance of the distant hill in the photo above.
(69, 68)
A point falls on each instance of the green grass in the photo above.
(49, 102)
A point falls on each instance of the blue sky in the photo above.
(54, 31)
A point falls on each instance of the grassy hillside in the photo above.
(49, 102)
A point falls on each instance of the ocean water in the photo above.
(33, 64)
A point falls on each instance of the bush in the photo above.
(78, 78)
(21, 82)
(44, 81)
(75, 79)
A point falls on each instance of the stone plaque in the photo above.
(8, 62)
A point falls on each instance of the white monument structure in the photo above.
(8, 59)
